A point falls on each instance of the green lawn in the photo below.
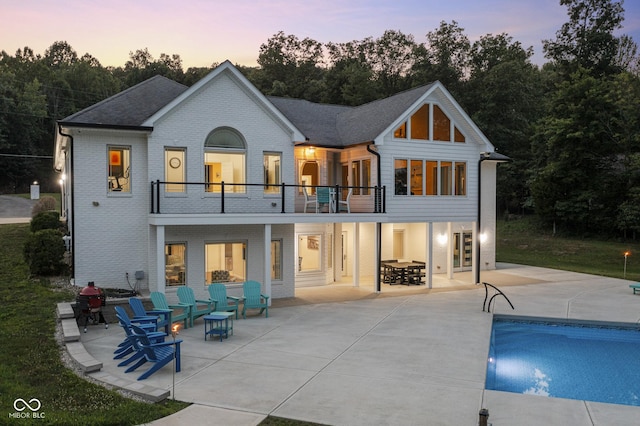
(30, 365)
(522, 241)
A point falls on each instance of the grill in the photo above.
(90, 302)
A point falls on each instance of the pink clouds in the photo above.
(203, 32)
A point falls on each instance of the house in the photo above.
(167, 185)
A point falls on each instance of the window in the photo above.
(401, 132)
(416, 177)
(276, 259)
(441, 125)
(225, 262)
(225, 160)
(445, 178)
(400, 167)
(432, 178)
(360, 177)
(272, 178)
(174, 170)
(461, 179)
(366, 176)
(309, 253)
(174, 255)
(424, 121)
(420, 123)
(118, 166)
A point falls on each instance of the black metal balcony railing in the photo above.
(371, 199)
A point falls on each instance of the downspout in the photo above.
(376, 276)
(71, 198)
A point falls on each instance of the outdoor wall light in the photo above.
(442, 239)
(483, 238)
(95, 203)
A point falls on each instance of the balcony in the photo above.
(190, 198)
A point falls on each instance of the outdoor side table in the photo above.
(218, 324)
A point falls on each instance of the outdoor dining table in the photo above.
(402, 269)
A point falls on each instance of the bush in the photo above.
(44, 251)
(45, 220)
(46, 203)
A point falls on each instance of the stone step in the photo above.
(83, 358)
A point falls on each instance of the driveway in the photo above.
(14, 209)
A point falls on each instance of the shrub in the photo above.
(46, 203)
(45, 220)
(44, 251)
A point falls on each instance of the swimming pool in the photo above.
(565, 359)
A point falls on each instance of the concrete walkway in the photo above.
(413, 359)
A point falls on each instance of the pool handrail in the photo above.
(497, 293)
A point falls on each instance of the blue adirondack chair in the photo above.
(128, 346)
(160, 354)
(162, 316)
(253, 299)
(198, 307)
(223, 303)
(178, 312)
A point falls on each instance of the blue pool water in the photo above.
(586, 361)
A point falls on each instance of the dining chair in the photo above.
(346, 203)
(309, 199)
(323, 198)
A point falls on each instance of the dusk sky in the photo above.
(204, 32)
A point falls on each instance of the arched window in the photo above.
(225, 160)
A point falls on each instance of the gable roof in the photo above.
(129, 108)
(340, 126)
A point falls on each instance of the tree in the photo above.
(60, 54)
(142, 66)
(449, 49)
(578, 180)
(291, 67)
(587, 40)
(503, 96)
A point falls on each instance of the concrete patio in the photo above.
(343, 356)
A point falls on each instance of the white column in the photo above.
(449, 250)
(429, 259)
(267, 260)
(474, 252)
(356, 254)
(160, 259)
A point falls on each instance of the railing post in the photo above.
(282, 186)
(384, 199)
(338, 197)
(222, 197)
(158, 196)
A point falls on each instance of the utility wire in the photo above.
(26, 156)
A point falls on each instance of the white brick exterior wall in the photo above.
(115, 233)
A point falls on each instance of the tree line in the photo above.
(571, 126)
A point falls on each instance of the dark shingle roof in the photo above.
(131, 107)
(316, 121)
(339, 126)
(322, 124)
